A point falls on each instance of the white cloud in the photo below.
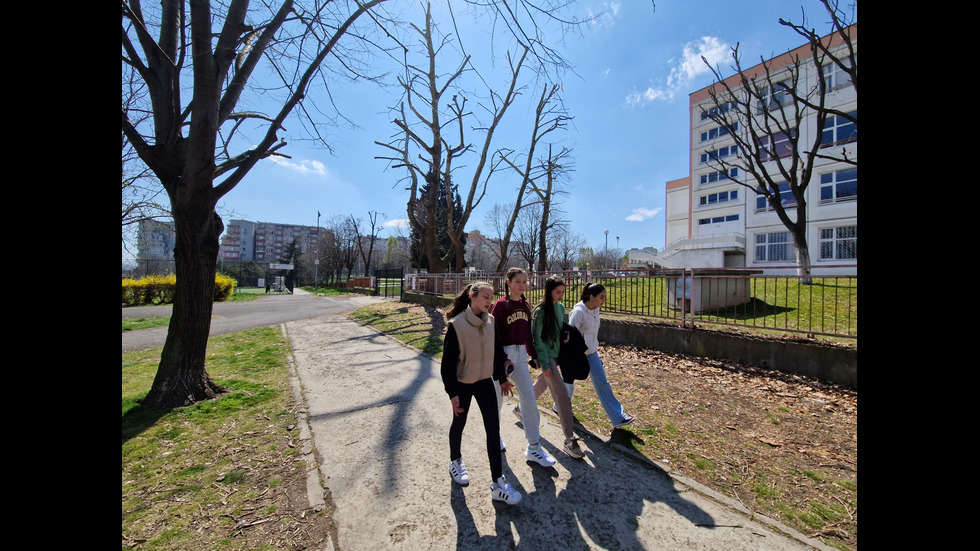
(684, 70)
(303, 167)
(397, 223)
(643, 213)
(607, 17)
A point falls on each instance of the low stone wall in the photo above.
(438, 301)
(827, 363)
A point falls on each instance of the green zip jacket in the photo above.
(547, 350)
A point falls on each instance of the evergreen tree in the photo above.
(444, 243)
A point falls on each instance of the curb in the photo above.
(314, 486)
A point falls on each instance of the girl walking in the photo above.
(547, 319)
(512, 319)
(471, 357)
(585, 317)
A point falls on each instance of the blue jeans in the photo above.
(597, 372)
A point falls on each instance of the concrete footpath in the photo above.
(378, 418)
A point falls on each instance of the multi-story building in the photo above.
(155, 242)
(713, 221)
(245, 240)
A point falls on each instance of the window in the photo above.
(781, 145)
(720, 197)
(834, 76)
(837, 130)
(786, 198)
(776, 96)
(719, 153)
(718, 219)
(840, 243)
(718, 110)
(841, 185)
(718, 132)
(719, 176)
(773, 247)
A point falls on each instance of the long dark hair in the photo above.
(591, 290)
(547, 309)
(511, 274)
(463, 299)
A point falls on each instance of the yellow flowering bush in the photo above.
(224, 286)
(156, 289)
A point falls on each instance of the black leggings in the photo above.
(486, 397)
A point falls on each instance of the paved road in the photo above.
(238, 316)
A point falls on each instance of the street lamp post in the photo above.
(605, 260)
(316, 260)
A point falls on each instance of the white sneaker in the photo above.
(503, 448)
(458, 472)
(501, 491)
(539, 455)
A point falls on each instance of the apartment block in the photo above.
(714, 221)
(156, 240)
(245, 240)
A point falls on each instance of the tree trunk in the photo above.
(181, 379)
(803, 261)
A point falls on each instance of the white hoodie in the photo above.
(587, 322)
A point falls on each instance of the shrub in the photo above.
(156, 289)
(224, 286)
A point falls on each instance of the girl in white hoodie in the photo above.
(585, 318)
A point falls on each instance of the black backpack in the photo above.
(571, 355)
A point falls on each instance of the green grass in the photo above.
(397, 322)
(326, 291)
(189, 473)
(136, 324)
(246, 294)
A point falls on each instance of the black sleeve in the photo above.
(450, 360)
(499, 358)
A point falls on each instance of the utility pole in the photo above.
(605, 259)
(316, 260)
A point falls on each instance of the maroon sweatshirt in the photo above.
(513, 323)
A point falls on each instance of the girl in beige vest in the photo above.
(471, 358)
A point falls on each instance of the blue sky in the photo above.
(629, 98)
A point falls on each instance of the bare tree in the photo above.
(762, 110)
(527, 234)
(549, 116)
(423, 128)
(555, 168)
(566, 247)
(195, 61)
(846, 61)
(366, 257)
(142, 196)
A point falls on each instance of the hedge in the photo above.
(160, 289)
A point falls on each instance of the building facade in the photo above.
(716, 218)
(156, 240)
(245, 240)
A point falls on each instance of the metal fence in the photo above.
(778, 300)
